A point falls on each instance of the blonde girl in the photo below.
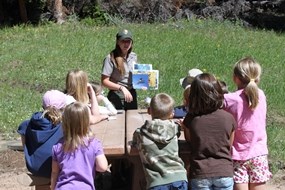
(248, 105)
(76, 158)
(77, 85)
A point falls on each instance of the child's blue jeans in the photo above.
(178, 185)
(214, 183)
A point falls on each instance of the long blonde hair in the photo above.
(53, 114)
(248, 72)
(75, 124)
(76, 85)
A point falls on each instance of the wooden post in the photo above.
(58, 14)
(1, 12)
(23, 11)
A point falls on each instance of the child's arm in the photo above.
(93, 101)
(101, 163)
(233, 132)
(54, 174)
(22, 131)
(184, 128)
(232, 138)
(95, 114)
(113, 86)
(186, 133)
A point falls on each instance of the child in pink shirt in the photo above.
(248, 106)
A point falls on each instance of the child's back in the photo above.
(210, 144)
(41, 132)
(209, 129)
(251, 133)
(157, 142)
(79, 154)
(77, 167)
(248, 106)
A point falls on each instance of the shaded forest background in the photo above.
(267, 14)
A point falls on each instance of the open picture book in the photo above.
(144, 77)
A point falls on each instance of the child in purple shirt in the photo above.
(76, 158)
(248, 106)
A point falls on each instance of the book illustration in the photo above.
(140, 80)
(153, 79)
(147, 80)
(142, 67)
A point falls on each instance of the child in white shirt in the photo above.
(108, 107)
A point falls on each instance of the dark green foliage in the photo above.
(93, 14)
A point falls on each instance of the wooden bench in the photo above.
(39, 183)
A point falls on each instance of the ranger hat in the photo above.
(124, 34)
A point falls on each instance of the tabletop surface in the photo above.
(134, 119)
(117, 135)
(112, 135)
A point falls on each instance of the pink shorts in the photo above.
(254, 170)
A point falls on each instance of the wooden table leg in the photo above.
(138, 178)
(23, 11)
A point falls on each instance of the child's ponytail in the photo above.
(248, 71)
(251, 91)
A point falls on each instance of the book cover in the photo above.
(142, 67)
(147, 80)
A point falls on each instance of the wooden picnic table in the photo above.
(112, 135)
(134, 120)
(116, 137)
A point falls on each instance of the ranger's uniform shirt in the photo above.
(110, 70)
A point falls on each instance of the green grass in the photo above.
(35, 59)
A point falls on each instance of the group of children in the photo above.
(59, 136)
(226, 131)
(44, 135)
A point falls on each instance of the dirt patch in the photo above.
(12, 161)
(273, 116)
(12, 169)
(278, 181)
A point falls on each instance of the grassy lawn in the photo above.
(35, 59)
